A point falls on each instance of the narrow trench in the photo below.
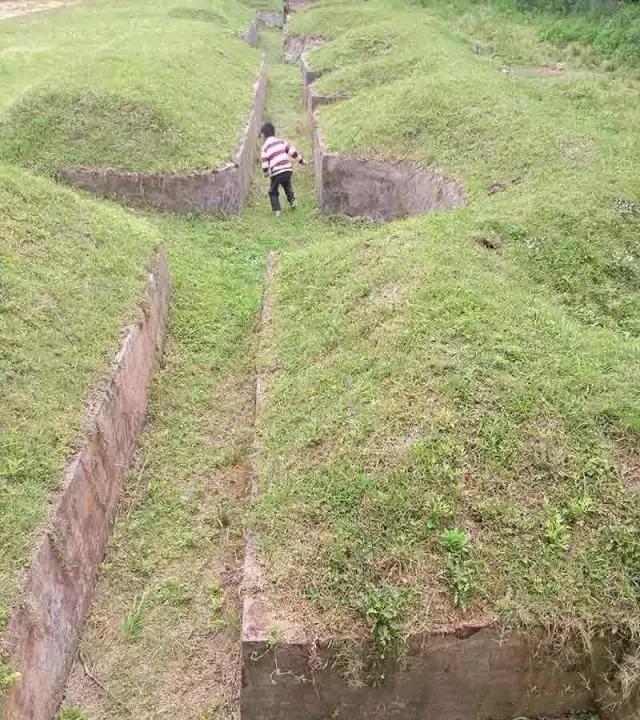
(190, 670)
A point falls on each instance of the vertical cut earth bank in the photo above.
(223, 190)
(42, 633)
(382, 191)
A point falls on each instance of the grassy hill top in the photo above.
(131, 85)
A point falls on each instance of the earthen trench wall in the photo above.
(224, 190)
(42, 634)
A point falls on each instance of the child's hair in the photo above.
(267, 130)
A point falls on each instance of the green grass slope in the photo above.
(589, 32)
(71, 274)
(564, 148)
(452, 431)
(132, 85)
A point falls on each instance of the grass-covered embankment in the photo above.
(133, 85)
(563, 148)
(130, 85)
(604, 34)
(73, 274)
(453, 430)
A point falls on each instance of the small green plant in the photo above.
(274, 638)
(131, 624)
(557, 532)
(454, 541)
(439, 511)
(220, 618)
(456, 545)
(383, 609)
(71, 713)
(171, 592)
(578, 508)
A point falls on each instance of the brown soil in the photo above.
(14, 8)
(489, 242)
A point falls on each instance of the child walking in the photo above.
(277, 166)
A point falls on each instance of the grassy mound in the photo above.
(453, 428)
(71, 274)
(131, 85)
(561, 151)
(435, 418)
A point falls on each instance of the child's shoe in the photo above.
(294, 204)
(276, 213)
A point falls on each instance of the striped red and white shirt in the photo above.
(275, 156)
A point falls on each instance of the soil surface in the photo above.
(13, 8)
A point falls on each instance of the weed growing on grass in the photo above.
(557, 532)
(383, 609)
(220, 617)
(171, 592)
(456, 545)
(131, 623)
(580, 507)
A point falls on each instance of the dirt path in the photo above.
(14, 8)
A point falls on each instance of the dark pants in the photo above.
(283, 179)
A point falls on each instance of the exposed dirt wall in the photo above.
(224, 190)
(360, 187)
(42, 634)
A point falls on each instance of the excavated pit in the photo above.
(360, 187)
(42, 633)
(223, 191)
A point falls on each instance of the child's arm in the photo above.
(265, 163)
(295, 154)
